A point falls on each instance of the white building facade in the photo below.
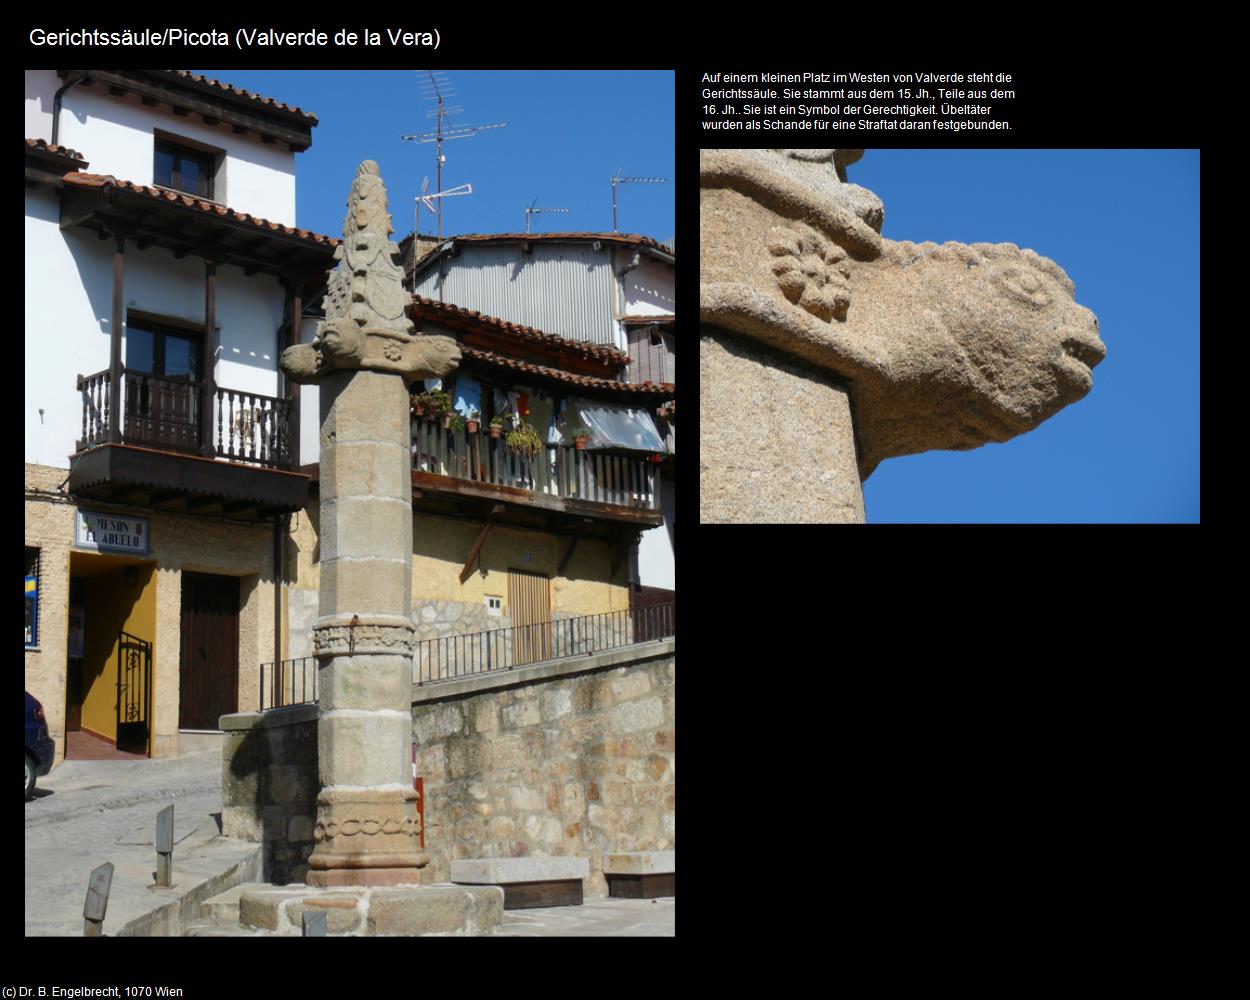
(162, 271)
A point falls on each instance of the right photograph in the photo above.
(858, 306)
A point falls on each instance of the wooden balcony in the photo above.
(158, 457)
(562, 480)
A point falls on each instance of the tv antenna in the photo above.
(534, 211)
(427, 199)
(437, 88)
(618, 179)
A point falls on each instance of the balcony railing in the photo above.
(558, 470)
(165, 413)
(294, 682)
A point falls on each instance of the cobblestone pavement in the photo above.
(595, 918)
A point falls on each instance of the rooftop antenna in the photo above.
(437, 88)
(534, 211)
(618, 179)
(427, 199)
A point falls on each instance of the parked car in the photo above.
(40, 747)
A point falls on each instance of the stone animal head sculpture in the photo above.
(945, 346)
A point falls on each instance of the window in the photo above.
(157, 349)
(32, 597)
(184, 169)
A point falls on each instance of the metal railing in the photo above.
(505, 648)
(294, 682)
(558, 470)
(288, 682)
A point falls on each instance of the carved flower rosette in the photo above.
(812, 272)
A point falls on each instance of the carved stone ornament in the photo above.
(366, 324)
(948, 346)
(364, 637)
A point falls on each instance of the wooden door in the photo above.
(529, 606)
(209, 669)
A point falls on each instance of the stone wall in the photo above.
(269, 786)
(568, 758)
(570, 762)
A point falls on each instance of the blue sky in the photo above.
(1124, 225)
(567, 134)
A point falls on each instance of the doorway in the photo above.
(209, 664)
(529, 606)
(108, 666)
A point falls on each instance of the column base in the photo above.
(342, 877)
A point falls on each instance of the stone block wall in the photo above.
(568, 758)
(269, 786)
(566, 764)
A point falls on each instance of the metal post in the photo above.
(97, 903)
(164, 846)
(314, 924)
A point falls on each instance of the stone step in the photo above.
(224, 908)
(224, 930)
(527, 882)
(641, 874)
(408, 911)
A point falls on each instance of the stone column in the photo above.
(366, 832)
(799, 468)
(365, 354)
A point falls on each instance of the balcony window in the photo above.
(184, 169)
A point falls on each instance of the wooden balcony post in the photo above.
(287, 389)
(115, 341)
(208, 388)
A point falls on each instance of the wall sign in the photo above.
(111, 533)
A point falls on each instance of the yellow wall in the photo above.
(441, 545)
(113, 606)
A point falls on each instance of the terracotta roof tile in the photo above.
(600, 352)
(59, 150)
(585, 381)
(268, 102)
(85, 180)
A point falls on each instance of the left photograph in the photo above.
(350, 475)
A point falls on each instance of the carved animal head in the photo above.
(434, 357)
(975, 343)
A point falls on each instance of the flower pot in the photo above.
(418, 409)
(579, 443)
(496, 430)
(657, 459)
(471, 426)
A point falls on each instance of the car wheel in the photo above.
(30, 777)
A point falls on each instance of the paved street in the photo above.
(88, 812)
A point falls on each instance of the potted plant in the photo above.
(472, 421)
(580, 435)
(497, 423)
(422, 404)
(453, 421)
(524, 440)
